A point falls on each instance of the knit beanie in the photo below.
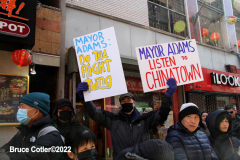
(187, 109)
(37, 100)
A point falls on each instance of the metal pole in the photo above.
(74, 90)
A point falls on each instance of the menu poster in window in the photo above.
(159, 62)
(12, 89)
(100, 64)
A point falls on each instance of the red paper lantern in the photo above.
(204, 32)
(215, 36)
(22, 58)
(238, 42)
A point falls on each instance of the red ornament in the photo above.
(238, 41)
(204, 32)
(22, 58)
(215, 36)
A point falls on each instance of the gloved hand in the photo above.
(172, 87)
(83, 86)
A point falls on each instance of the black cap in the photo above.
(129, 94)
(229, 107)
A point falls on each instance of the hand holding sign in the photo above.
(172, 87)
(83, 86)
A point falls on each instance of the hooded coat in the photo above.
(236, 126)
(153, 149)
(189, 145)
(127, 131)
(27, 138)
(63, 128)
(221, 142)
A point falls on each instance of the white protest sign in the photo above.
(178, 60)
(100, 65)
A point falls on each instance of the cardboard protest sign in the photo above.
(100, 65)
(178, 60)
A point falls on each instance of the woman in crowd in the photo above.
(220, 125)
(82, 142)
(205, 130)
(188, 142)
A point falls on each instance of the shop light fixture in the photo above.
(32, 68)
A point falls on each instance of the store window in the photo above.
(210, 22)
(168, 15)
(210, 102)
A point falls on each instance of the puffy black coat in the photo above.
(24, 139)
(221, 141)
(125, 133)
(189, 145)
(153, 149)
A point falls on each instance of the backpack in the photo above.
(47, 130)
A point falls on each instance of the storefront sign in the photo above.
(178, 60)
(13, 28)
(224, 80)
(17, 24)
(216, 81)
(100, 65)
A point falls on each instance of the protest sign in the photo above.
(178, 60)
(100, 65)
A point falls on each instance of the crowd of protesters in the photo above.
(196, 135)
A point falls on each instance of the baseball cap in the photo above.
(129, 94)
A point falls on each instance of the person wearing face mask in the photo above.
(64, 116)
(188, 142)
(82, 142)
(128, 127)
(226, 146)
(34, 118)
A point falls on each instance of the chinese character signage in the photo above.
(12, 89)
(17, 24)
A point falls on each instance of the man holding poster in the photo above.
(128, 127)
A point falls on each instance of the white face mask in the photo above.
(22, 116)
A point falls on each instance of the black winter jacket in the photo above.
(236, 126)
(123, 133)
(27, 138)
(221, 141)
(153, 149)
(189, 145)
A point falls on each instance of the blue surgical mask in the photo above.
(22, 116)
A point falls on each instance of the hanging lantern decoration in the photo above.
(231, 20)
(238, 43)
(22, 58)
(204, 33)
(215, 36)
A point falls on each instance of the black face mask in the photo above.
(88, 155)
(65, 115)
(127, 107)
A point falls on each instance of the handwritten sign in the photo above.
(178, 60)
(100, 65)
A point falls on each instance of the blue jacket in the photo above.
(189, 145)
(221, 141)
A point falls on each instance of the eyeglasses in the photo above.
(230, 112)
